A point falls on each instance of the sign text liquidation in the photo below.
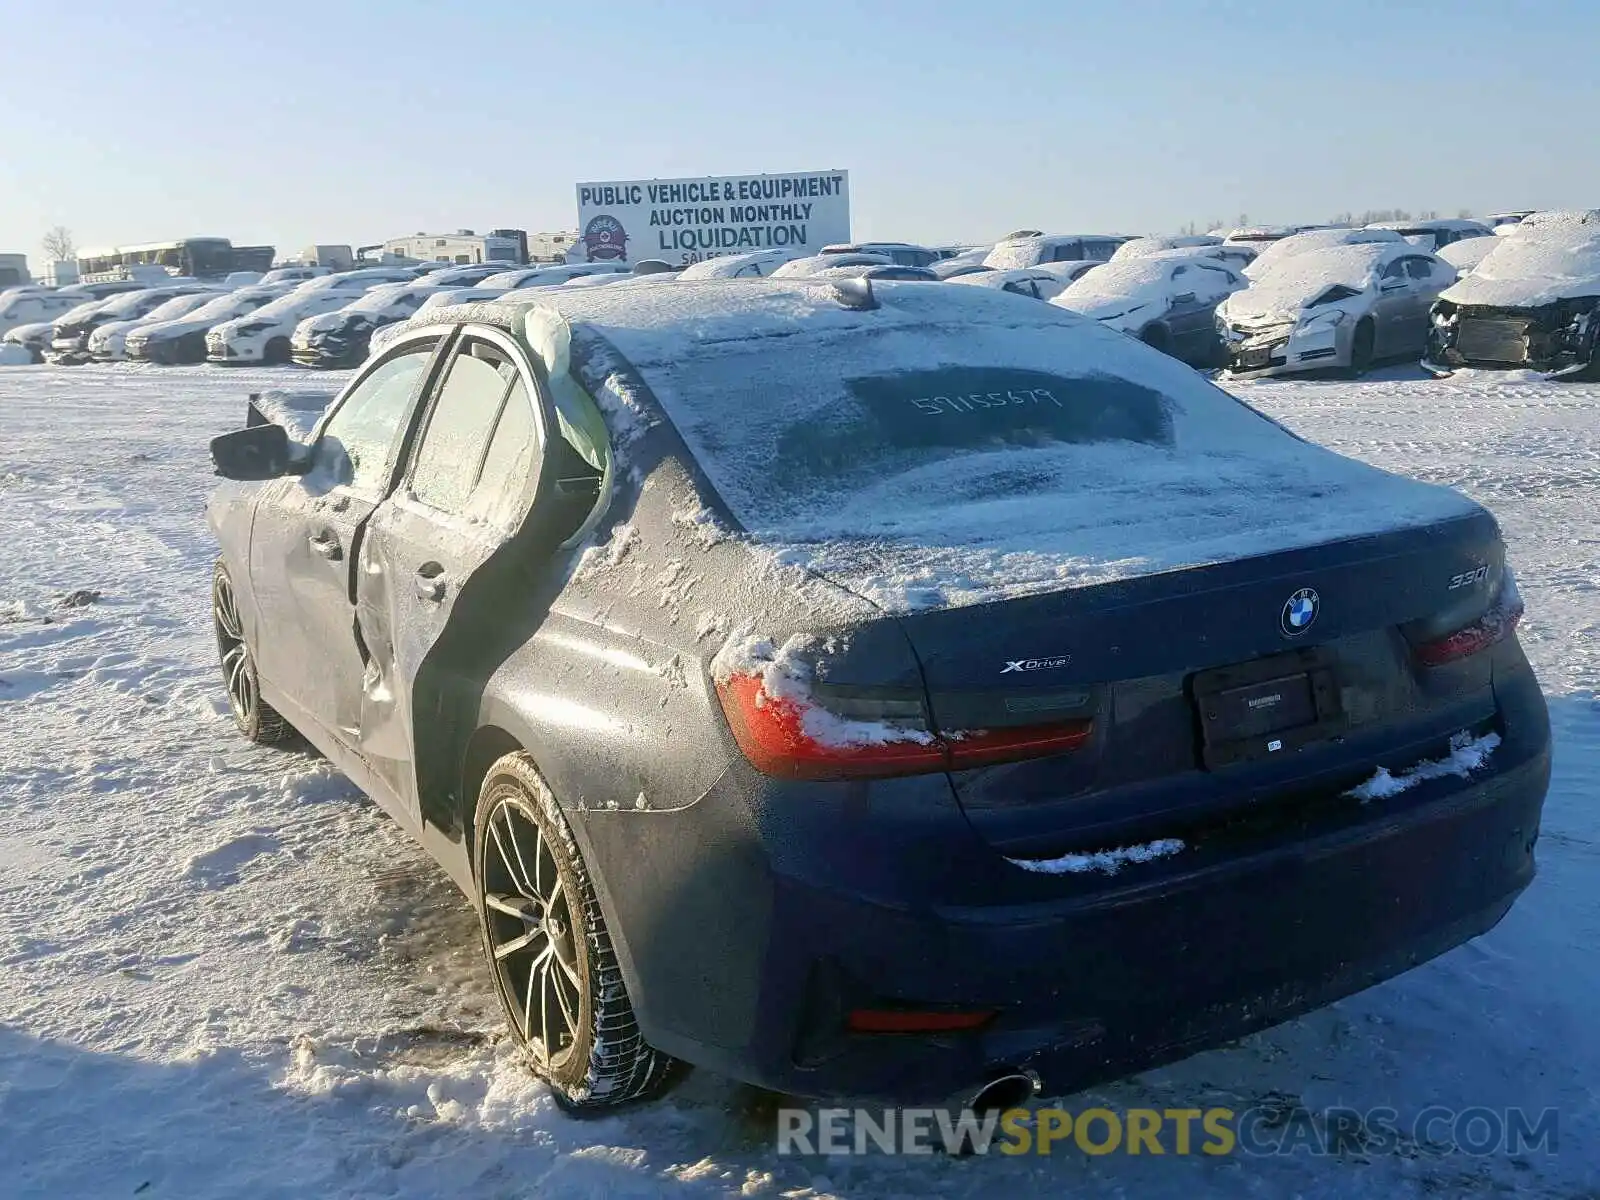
(694, 219)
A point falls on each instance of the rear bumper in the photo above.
(1091, 977)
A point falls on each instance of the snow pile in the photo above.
(786, 676)
(1467, 754)
(1108, 861)
(1468, 253)
(1554, 258)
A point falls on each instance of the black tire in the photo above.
(257, 720)
(276, 353)
(546, 912)
(1362, 343)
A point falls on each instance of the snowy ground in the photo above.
(222, 973)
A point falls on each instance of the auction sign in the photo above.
(686, 220)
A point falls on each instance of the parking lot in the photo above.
(248, 981)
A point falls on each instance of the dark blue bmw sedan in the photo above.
(881, 690)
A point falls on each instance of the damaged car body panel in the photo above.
(1532, 303)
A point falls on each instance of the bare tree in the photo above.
(59, 246)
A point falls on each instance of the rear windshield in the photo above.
(796, 431)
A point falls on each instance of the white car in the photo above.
(904, 254)
(549, 274)
(293, 275)
(183, 339)
(1040, 283)
(1340, 306)
(108, 343)
(1435, 234)
(1275, 253)
(1167, 300)
(70, 342)
(1262, 235)
(340, 338)
(262, 338)
(34, 339)
(1017, 252)
(738, 266)
(27, 306)
(805, 268)
(1199, 245)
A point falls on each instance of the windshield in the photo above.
(828, 430)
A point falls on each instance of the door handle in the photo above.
(324, 543)
(429, 582)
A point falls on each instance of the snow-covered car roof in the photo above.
(1466, 254)
(954, 268)
(897, 271)
(1554, 258)
(1442, 224)
(1295, 281)
(801, 268)
(991, 278)
(730, 265)
(1117, 287)
(1267, 233)
(1315, 239)
(1140, 247)
(1017, 252)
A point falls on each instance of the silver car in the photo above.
(1339, 307)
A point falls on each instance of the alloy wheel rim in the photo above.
(531, 934)
(235, 654)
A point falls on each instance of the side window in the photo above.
(445, 468)
(1020, 287)
(501, 491)
(362, 438)
(1068, 252)
(1395, 270)
(1419, 268)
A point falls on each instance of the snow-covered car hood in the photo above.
(114, 329)
(1286, 290)
(36, 331)
(1558, 258)
(1143, 284)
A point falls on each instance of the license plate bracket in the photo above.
(1266, 708)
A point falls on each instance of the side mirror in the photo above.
(258, 452)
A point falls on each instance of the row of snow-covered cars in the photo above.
(1258, 301)
(304, 314)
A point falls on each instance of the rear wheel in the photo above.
(252, 715)
(1157, 338)
(546, 941)
(1362, 342)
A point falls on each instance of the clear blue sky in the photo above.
(293, 122)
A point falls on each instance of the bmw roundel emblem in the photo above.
(1299, 612)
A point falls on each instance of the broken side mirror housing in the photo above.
(257, 452)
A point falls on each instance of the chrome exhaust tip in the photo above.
(1010, 1089)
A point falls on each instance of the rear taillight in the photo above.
(1495, 624)
(812, 736)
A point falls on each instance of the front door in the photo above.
(306, 537)
(473, 471)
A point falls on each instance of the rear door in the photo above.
(1393, 315)
(307, 534)
(473, 473)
